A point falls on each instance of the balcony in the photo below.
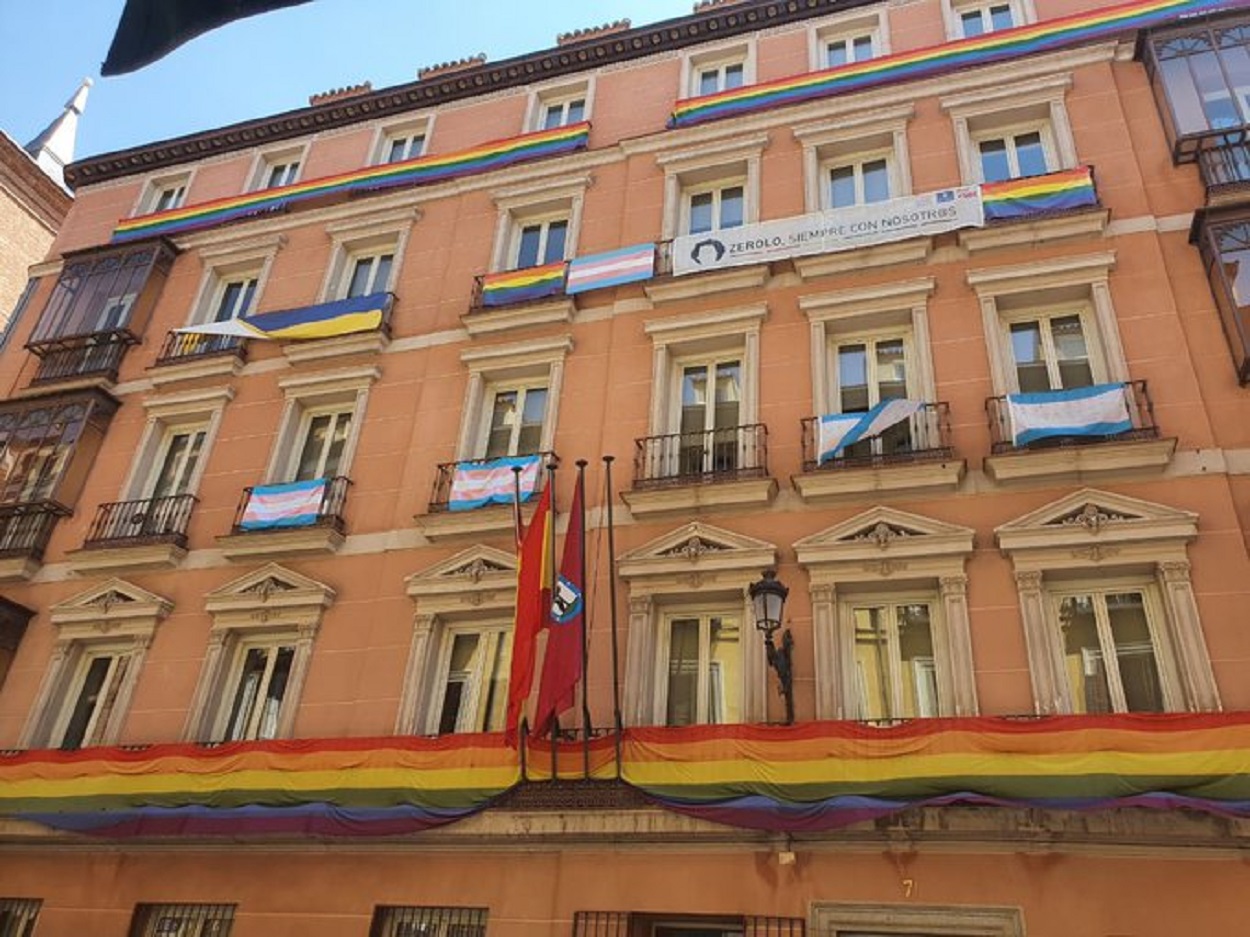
(714, 469)
(1223, 239)
(909, 457)
(86, 358)
(1139, 449)
(185, 356)
(1225, 166)
(445, 521)
(24, 533)
(127, 535)
(512, 299)
(295, 519)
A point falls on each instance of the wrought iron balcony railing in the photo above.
(26, 528)
(180, 347)
(695, 458)
(328, 512)
(98, 355)
(924, 437)
(440, 499)
(1136, 399)
(152, 520)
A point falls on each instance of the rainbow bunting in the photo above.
(518, 286)
(1035, 195)
(420, 171)
(937, 60)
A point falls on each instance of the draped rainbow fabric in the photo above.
(960, 54)
(1039, 195)
(420, 171)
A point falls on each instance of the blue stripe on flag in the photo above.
(1098, 410)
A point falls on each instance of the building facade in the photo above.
(934, 307)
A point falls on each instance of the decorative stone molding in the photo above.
(675, 289)
(499, 319)
(593, 32)
(450, 68)
(340, 94)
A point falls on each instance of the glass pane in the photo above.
(359, 284)
(502, 419)
(701, 213)
(494, 710)
(723, 704)
(553, 116)
(733, 76)
(229, 302)
(709, 81)
(460, 672)
(1071, 352)
(835, 54)
(86, 702)
(577, 112)
(853, 378)
(557, 231)
(683, 672)
(863, 48)
(694, 392)
(245, 302)
(876, 181)
(872, 663)
(971, 22)
(891, 370)
(842, 186)
(1236, 60)
(314, 445)
(398, 151)
(728, 393)
(1183, 95)
(731, 207)
(919, 672)
(274, 692)
(995, 165)
(381, 275)
(246, 692)
(534, 408)
(1083, 657)
(180, 458)
(527, 254)
(1030, 155)
(1026, 348)
(1000, 17)
(1213, 90)
(1135, 653)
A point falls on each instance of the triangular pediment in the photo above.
(478, 567)
(698, 546)
(271, 596)
(881, 531)
(1094, 514)
(110, 603)
(270, 579)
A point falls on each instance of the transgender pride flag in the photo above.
(475, 484)
(297, 504)
(627, 265)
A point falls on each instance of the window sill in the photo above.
(1131, 457)
(340, 346)
(829, 484)
(303, 541)
(493, 320)
(915, 250)
(451, 525)
(18, 568)
(226, 366)
(139, 556)
(674, 289)
(67, 385)
(1034, 230)
(701, 497)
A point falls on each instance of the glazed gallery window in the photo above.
(858, 181)
(88, 705)
(1052, 351)
(700, 668)
(714, 207)
(895, 666)
(255, 690)
(471, 683)
(1109, 640)
(515, 425)
(867, 370)
(1015, 154)
(1226, 254)
(1205, 77)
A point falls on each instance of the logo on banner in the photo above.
(566, 601)
(715, 246)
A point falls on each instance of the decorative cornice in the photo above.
(665, 36)
(593, 32)
(340, 94)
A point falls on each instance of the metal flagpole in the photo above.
(516, 505)
(616, 670)
(523, 730)
(581, 500)
(549, 562)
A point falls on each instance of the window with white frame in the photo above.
(861, 180)
(966, 19)
(713, 186)
(367, 271)
(869, 368)
(511, 398)
(401, 142)
(177, 438)
(700, 665)
(18, 916)
(320, 424)
(1015, 152)
(182, 920)
(177, 461)
(470, 682)
(559, 106)
(537, 223)
(720, 69)
(718, 205)
(856, 159)
(515, 425)
(1050, 349)
(537, 241)
(895, 660)
(710, 400)
(256, 688)
(164, 193)
(275, 170)
(321, 442)
(843, 40)
(87, 707)
(366, 255)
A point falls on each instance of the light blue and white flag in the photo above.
(837, 431)
(1100, 410)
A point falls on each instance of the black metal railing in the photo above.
(1136, 399)
(26, 528)
(1226, 164)
(398, 920)
(18, 916)
(203, 920)
(186, 346)
(440, 498)
(152, 520)
(694, 458)
(329, 510)
(98, 355)
(923, 437)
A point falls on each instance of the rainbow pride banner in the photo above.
(1039, 195)
(939, 60)
(420, 171)
(804, 778)
(518, 286)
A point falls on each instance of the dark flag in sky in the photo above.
(150, 29)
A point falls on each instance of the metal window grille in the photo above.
(17, 916)
(601, 924)
(182, 920)
(401, 921)
(774, 927)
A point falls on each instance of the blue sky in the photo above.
(264, 64)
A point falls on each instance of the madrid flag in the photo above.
(562, 664)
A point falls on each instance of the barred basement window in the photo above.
(400, 921)
(18, 916)
(182, 920)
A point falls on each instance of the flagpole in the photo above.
(549, 564)
(616, 670)
(581, 499)
(516, 504)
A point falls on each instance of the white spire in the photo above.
(54, 148)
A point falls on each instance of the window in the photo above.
(18, 916)
(320, 424)
(9, 325)
(843, 40)
(1202, 79)
(163, 193)
(713, 186)
(966, 19)
(721, 76)
(178, 460)
(715, 207)
(719, 69)
(701, 665)
(1225, 246)
(471, 687)
(516, 421)
(860, 182)
(1109, 649)
(256, 689)
(182, 920)
(537, 223)
(322, 440)
(279, 172)
(13, 621)
(398, 142)
(843, 50)
(1050, 351)
(89, 703)
(511, 398)
(895, 668)
(368, 273)
(1015, 154)
(45, 449)
(867, 370)
(711, 402)
(396, 921)
(856, 159)
(539, 242)
(367, 255)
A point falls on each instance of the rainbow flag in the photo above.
(475, 484)
(296, 504)
(420, 171)
(325, 320)
(980, 50)
(1038, 195)
(613, 268)
(518, 286)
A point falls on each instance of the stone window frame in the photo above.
(878, 551)
(873, 21)
(271, 603)
(842, 919)
(307, 394)
(558, 92)
(496, 367)
(474, 588)
(1081, 282)
(729, 53)
(266, 160)
(351, 238)
(1023, 13)
(117, 615)
(1116, 535)
(831, 142)
(1002, 107)
(154, 186)
(550, 199)
(415, 125)
(697, 566)
(722, 160)
(167, 412)
(231, 261)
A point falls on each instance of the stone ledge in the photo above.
(340, 346)
(123, 558)
(489, 321)
(1132, 457)
(1034, 231)
(673, 289)
(301, 541)
(449, 525)
(18, 568)
(904, 478)
(194, 369)
(704, 497)
(915, 250)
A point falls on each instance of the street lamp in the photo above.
(768, 601)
